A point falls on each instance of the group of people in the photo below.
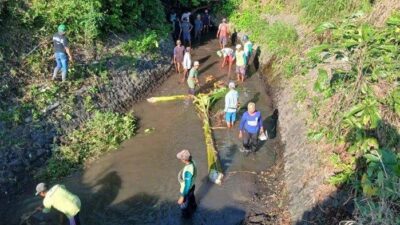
(251, 123)
(182, 27)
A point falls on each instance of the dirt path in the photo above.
(138, 184)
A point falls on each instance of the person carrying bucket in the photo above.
(187, 178)
(250, 127)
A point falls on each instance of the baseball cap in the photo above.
(40, 188)
(238, 46)
(183, 155)
(62, 28)
(231, 84)
(196, 63)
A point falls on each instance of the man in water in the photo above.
(250, 127)
(61, 49)
(206, 21)
(223, 33)
(179, 50)
(240, 63)
(60, 198)
(228, 58)
(187, 178)
(192, 80)
(198, 27)
(186, 28)
(231, 105)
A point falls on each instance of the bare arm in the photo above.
(69, 54)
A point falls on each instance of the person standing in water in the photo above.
(187, 63)
(231, 105)
(198, 27)
(186, 28)
(192, 80)
(240, 63)
(250, 127)
(178, 56)
(223, 33)
(187, 178)
(206, 21)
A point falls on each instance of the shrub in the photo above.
(101, 134)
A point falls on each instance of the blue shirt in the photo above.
(251, 123)
(198, 25)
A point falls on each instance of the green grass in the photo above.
(317, 11)
(103, 133)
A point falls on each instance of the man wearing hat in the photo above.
(61, 49)
(187, 178)
(231, 105)
(60, 198)
(240, 63)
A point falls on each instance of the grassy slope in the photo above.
(352, 102)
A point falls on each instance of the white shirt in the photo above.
(187, 61)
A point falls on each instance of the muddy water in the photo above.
(138, 184)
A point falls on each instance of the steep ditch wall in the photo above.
(301, 160)
(127, 85)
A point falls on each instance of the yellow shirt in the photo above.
(61, 199)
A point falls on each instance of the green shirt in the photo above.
(60, 198)
(191, 81)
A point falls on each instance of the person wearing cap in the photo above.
(198, 27)
(178, 56)
(61, 49)
(228, 58)
(223, 33)
(186, 28)
(206, 21)
(186, 178)
(240, 63)
(60, 198)
(187, 63)
(248, 48)
(192, 80)
(250, 127)
(231, 105)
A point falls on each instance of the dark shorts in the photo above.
(241, 70)
(74, 220)
(186, 36)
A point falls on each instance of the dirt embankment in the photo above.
(125, 85)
